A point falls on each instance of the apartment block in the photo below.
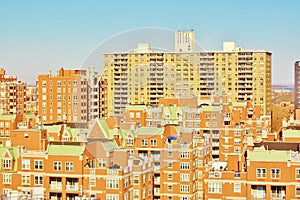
(144, 76)
(12, 94)
(69, 96)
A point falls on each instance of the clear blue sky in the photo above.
(39, 35)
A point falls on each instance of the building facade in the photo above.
(144, 75)
(69, 96)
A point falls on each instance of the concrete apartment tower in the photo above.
(185, 41)
(297, 89)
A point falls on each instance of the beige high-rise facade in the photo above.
(143, 76)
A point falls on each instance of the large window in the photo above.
(6, 178)
(69, 166)
(153, 142)
(57, 166)
(7, 163)
(184, 154)
(184, 165)
(38, 180)
(102, 162)
(26, 179)
(275, 173)
(129, 141)
(184, 177)
(112, 183)
(297, 190)
(214, 187)
(260, 173)
(184, 188)
(144, 142)
(112, 197)
(38, 164)
(297, 173)
(237, 187)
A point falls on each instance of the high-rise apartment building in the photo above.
(70, 95)
(143, 76)
(185, 41)
(297, 88)
(12, 94)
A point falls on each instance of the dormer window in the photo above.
(7, 163)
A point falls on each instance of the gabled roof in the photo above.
(67, 150)
(291, 133)
(30, 115)
(136, 107)
(52, 128)
(212, 108)
(150, 131)
(13, 153)
(8, 117)
(269, 155)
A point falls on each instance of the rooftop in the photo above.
(269, 155)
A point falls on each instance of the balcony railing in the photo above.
(57, 186)
(72, 187)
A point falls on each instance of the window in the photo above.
(297, 173)
(112, 183)
(170, 187)
(38, 164)
(197, 115)
(237, 187)
(275, 173)
(199, 185)
(260, 173)
(214, 116)
(112, 197)
(184, 154)
(25, 179)
(138, 115)
(184, 188)
(57, 166)
(170, 176)
(170, 153)
(237, 149)
(237, 141)
(136, 179)
(153, 142)
(237, 132)
(214, 187)
(184, 165)
(6, 163)
(6, 178)
(92, 181)
(184, 177)
(69, 166)
(144, 142)
(131, 114)
(207, 115)
(38, 180)
(102, 162)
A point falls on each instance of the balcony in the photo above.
(215, 175)
(156, 180)
(72, 188)
(56, 187)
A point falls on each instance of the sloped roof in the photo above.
(291, 133)
(269, 155)
(52, 128)
(30, 115)
(136, 107)
(7, 116)
(212, 108)
(150, 131)
(68, 150)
